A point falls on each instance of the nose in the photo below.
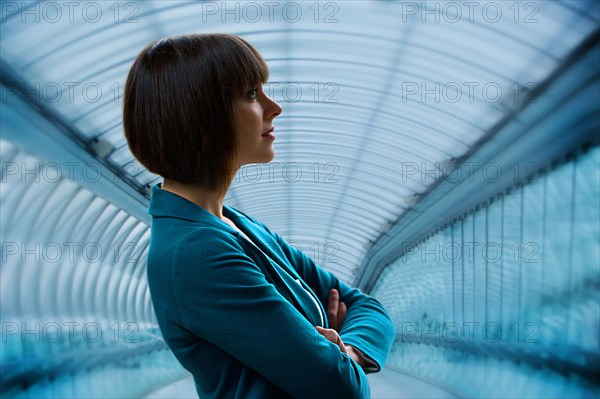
(272, 109)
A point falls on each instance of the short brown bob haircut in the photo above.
(178, 111)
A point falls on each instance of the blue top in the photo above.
(240, 322)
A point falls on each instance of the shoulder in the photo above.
(176, 244)
(206, 258)
(205, 243)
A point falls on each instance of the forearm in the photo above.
(354, 355)
(359, 357)
(369, 329)
(365, 362)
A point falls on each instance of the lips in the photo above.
(268, 132)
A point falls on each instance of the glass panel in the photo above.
(534, 287)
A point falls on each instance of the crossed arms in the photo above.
(229, 303)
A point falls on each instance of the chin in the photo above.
(268, 155)
(269, 158)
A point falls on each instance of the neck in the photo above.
(212, 201)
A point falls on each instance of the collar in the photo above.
(164, 203)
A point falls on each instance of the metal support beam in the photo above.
(38, 129)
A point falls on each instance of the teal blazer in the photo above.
(240, 322)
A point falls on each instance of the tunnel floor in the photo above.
(387, 384)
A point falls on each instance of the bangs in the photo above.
(243, 66)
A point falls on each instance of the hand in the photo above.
(336, 310)
(333, 336)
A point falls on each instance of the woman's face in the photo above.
(255, 114)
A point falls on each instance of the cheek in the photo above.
(257, 115)
(250, 119)
(250, 114)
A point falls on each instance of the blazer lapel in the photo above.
(283, 276)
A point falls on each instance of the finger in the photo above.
(342, 314)
(332, 336)
(332, 308)
(327, 333)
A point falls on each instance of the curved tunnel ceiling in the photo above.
(376, 97)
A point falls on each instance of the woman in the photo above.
(241, 309)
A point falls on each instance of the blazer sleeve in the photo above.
(367, 326)
(225, 299)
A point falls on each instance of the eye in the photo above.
(253, 94)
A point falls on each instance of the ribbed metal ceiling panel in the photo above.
(384, 86)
